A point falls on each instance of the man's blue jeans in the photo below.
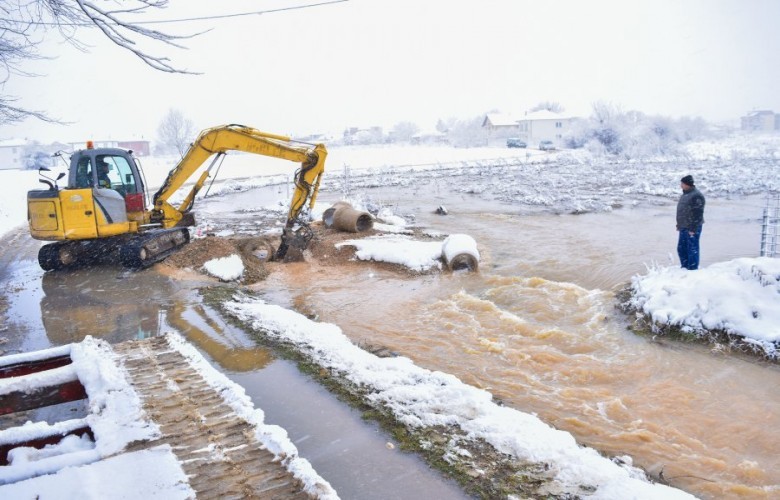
(688, 248)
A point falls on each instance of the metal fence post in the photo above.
(770, 227)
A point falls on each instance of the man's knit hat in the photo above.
(687, 180)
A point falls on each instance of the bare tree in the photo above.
(404, 131)
(553, 106)
(24, 24)
(176, 131)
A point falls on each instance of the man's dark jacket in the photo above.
(690, 210)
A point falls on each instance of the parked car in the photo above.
(546, 146)
(515, 143)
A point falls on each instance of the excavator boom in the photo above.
(219, 140)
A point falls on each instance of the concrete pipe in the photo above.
(327, 215)
(459, 252)
(351, 220)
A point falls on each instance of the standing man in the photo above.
(690, 217)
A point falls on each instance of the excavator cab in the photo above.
(104, 198)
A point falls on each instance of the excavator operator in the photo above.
(103, 180)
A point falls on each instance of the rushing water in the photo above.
(538, 328)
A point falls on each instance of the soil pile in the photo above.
(253, 251)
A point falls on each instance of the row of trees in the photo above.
(632, 134)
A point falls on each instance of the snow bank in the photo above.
(114, 477)
(69, 468)
(225, 268)
(419, 397)
(398, 249)
(272, 437)
(740, 297)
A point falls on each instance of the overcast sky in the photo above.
(378, 62)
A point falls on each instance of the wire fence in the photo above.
(770, 227)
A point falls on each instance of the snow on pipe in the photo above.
(343, 217)
(459, 252)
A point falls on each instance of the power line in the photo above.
(204, 18)
(241, 14)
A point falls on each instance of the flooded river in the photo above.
(537, 327)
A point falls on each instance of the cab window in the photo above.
(120, 174)
(84, 173)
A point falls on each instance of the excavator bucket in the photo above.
(293, 244)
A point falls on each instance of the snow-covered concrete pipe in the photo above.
(459, 251)
(343, 217)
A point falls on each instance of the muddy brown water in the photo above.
(536, 326)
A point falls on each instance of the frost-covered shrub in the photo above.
(633, 135)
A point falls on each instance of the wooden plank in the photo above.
(40, 442)
(26, 368)
(42, 396)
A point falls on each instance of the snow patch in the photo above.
(228, 268)
(741, 297)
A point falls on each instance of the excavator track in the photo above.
(154, 246)
(135, 252)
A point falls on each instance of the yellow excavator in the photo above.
(103, 208)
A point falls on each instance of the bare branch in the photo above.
(25, 23)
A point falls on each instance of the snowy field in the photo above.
(739, 297)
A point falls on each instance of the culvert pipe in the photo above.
(459, 252)
(343, 217)
(327, 215)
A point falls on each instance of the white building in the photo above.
(761, 121)
(12, 154)
(544, 126)
(499, 127)
(532, 128)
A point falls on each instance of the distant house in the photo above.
(370, 135)
(12, 153)
(138, 147)
(544, 126)
(761, 121)
(430, 137)
(500, 127)
(531, 127)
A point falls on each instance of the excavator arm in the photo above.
(219, 140)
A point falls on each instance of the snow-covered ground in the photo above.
(740, 297)
(71, 468)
